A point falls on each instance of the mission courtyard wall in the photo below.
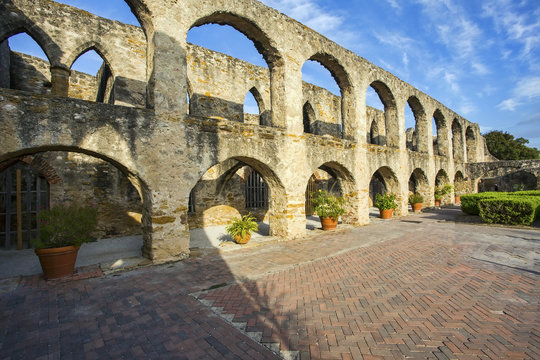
(167, 148)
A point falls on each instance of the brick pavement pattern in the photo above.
(399, 289)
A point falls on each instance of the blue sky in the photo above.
(479, 58)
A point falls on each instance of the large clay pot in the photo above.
(386, 214)
(417, 207)
(242, 240)
(437, 202)
(457, 199)
(58, 262)
(328, 223)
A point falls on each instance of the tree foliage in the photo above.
(503, 146)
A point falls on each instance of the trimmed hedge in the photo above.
(514, 208)
(469, 203)
(519, 210)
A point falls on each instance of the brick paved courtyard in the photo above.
(419, 287)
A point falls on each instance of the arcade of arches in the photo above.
(160, 134)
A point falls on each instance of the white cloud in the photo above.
(518, 22)
(451, 80)
(394, 4)
(313, 15)
(525, 90)
(480, 68)
(405, 59)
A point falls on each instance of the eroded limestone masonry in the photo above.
(168, 116)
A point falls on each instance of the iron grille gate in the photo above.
(311, 189)
(22, 194)
(256, 191)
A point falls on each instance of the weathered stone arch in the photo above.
(374, 136)
(441, 178)
(440, 147)
(457, 140)
(264, 114)
(390, 179)
(262, 41)
(348, 186)
(343, 80)
(390, 112)
(51, 49)
(421, 183)
(277, 201)
(132, 175)
(80, 50)
(471, 145)
(421, 125)
(308, 117)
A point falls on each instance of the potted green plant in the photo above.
(240, 229)
(416, 201)
(328, 207)
(62, 230)
(441, 191)
(386, 204)
(457, 198)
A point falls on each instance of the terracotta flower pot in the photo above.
(328, 223)
(417, 207)
(437, 202)
(457, 199)
(386, 214)
(58, 262)
(242, 240)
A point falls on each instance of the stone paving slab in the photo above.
(417, 287)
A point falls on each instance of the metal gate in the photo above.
(256, 191)
(22, 194)
(311, 189)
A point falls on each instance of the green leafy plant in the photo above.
(386, 201)
(440, 191)
(416, 198)
(510, 210)
(65, 225)
(242, 226)
(327, 205)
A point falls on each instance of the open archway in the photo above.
(24, 65)
(415, 115)
(337, 180)
(418, 183)
(471, 145)
(252, 52)
(382, 181)
(457, 141)
(91, 77)
(335, 109)
(39, 178)
(385, 97)
(228, 190)
(440, 134)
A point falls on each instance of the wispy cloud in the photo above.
(519, 21)
(394, 4)
(525, 90)
(310, 13)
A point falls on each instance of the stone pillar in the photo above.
(168, 68)
(165, 228)
(60, 81)
(286, 95)
(288, 218)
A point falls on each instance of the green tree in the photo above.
(503, 146)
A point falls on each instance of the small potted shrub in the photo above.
(240, 229)
(386, 204)
(457, 198)
(328, 207)
(416, 201)
(62, 230)
(441, 191)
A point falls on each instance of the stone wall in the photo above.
(5, 63)
(29, 73)
(167, 148)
